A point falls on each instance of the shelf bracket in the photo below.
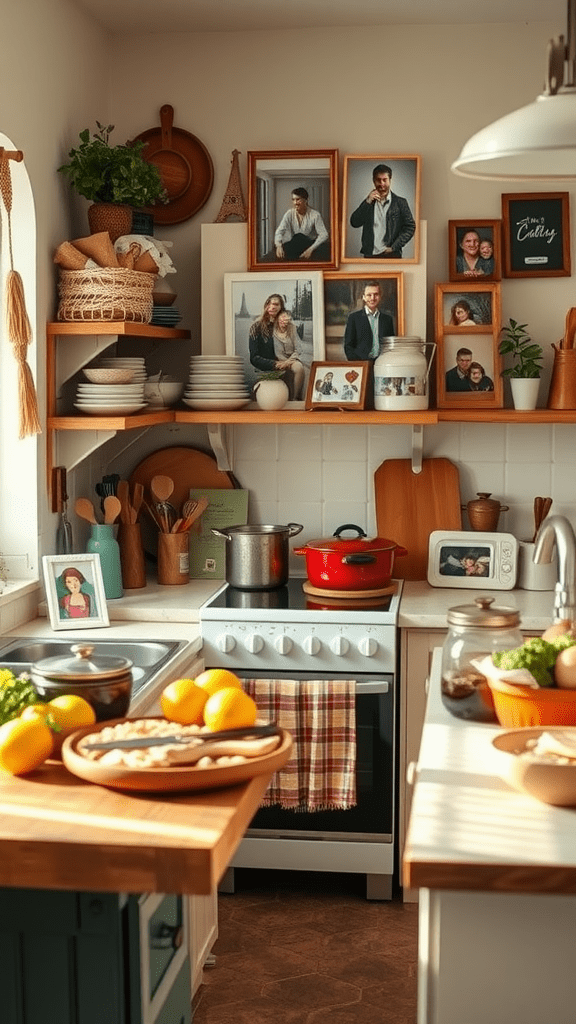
(76, 445)
(417, 446)
(219, 443)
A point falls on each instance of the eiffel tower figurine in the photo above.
(233, 203)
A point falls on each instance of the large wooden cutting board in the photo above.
(409, 506)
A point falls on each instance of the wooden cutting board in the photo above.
(409, 506)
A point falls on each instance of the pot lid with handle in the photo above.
(83, 666)
(348, 545)
(290, 529)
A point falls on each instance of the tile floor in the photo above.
(299, 948)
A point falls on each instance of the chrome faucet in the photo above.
(557, 530)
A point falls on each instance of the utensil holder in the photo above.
(535, 575)
(132, 556)
(102, 542)
(173, 558)
(562, 394)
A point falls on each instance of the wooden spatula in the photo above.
(84, 508)
(570, 328)
(112, 508)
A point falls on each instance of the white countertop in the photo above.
(425, 607)
(469, 829)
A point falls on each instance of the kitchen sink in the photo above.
(147, 656)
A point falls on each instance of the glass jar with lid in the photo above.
(475, 630)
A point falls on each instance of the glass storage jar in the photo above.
(475, 630)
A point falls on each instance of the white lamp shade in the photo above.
(535, 142)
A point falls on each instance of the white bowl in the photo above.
(109, 375)
(163, 393)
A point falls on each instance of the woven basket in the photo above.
(112, 293)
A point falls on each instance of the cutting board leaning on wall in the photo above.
(409, 506)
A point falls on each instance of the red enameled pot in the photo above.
(358, 563)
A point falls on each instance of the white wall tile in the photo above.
(260, 476)
(526, 442)
(524, 482)
(563, 482)
(344, 481)
(564, 443)
(253, 441)
(298, 444)
(303, 485)
(482, 442)
(342, 442)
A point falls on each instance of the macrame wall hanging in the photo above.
(17, 322)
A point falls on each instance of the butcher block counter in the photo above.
(496, 872)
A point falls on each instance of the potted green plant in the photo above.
(117, 178)
(524, 374)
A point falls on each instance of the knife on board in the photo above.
(139, 742)
(59, 505)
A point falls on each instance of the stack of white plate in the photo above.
(216, 382)
(114, 399)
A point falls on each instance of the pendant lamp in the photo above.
(539, 140)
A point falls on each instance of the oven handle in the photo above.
(373, 686)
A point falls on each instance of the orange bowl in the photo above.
(518, 706)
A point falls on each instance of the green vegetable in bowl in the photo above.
(536, 655)
(16, 693)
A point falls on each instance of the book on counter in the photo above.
(226, 507)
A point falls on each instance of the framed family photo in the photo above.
(346, 297)
(275, 322)
(468, 371)
(75, 591)
(536, 230)
(381, 208)
(335, 385)
(468, 308)
(293, 209)
(474, 250)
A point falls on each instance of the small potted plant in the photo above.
(270, 390)
(524, 374)
(115, 179)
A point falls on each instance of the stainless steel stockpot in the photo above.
(257, 557)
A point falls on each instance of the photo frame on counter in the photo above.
(343, 299)
(75, 591)
(536, 234)
(474, 250)
(337, 385)
(367, 180)
(293, 209)
(252, 304)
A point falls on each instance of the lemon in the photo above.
(68, 713)
(214, 679)
(24, 744)
(229, 708)
(183, 701)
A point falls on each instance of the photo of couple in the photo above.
(467, 374)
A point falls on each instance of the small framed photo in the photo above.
(335, 385)
(275, 322)
(381, 208)
(467, 308)
(293, 209)
(75, 591)
(468, 372)
(474, 248)
(536, 232)
(347, 329)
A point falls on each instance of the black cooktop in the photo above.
(292, 598)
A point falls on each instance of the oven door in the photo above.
(372, 819)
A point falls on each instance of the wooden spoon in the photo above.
(123, 495)
(112, 508)
(538, 506)
(161, 487)
(84, 508)
(137, 498)
(570, 329)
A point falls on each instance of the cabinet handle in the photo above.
(411, 773)
(167, 936)
(427, 684)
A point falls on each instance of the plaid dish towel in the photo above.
(320, 714)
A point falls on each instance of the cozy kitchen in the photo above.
(122, 896)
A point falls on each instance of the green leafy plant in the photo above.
(113, 174)
(527, 355)
(270, 374)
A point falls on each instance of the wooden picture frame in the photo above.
(488, 264)
(359, 179)
(536, 234)
(468, 363)
(245, 299)
(66, 609)
(277, 179)
(343, 297)
(337, 385)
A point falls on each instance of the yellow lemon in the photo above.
(24, 744)
(66, 714)
(229, 708)
(183, 701)
(214, 679)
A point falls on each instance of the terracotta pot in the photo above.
(354, 564)
(115, 218)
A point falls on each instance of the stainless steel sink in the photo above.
(147, 656)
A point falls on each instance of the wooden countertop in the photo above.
(58, 832)
(469, 829)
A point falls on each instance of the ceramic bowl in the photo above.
(520, 706)
(163, 393)
(109, 375)
(546, 781)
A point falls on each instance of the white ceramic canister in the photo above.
(401, 374)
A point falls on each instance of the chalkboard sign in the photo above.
(536, 230)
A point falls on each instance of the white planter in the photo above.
(271, 394)
(525, 392)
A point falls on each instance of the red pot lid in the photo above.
(348, 545)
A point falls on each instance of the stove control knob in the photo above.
(368, 646)
(225, 643)
(254, 643)
(283, 644)
(311, 645)
(339, 645)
